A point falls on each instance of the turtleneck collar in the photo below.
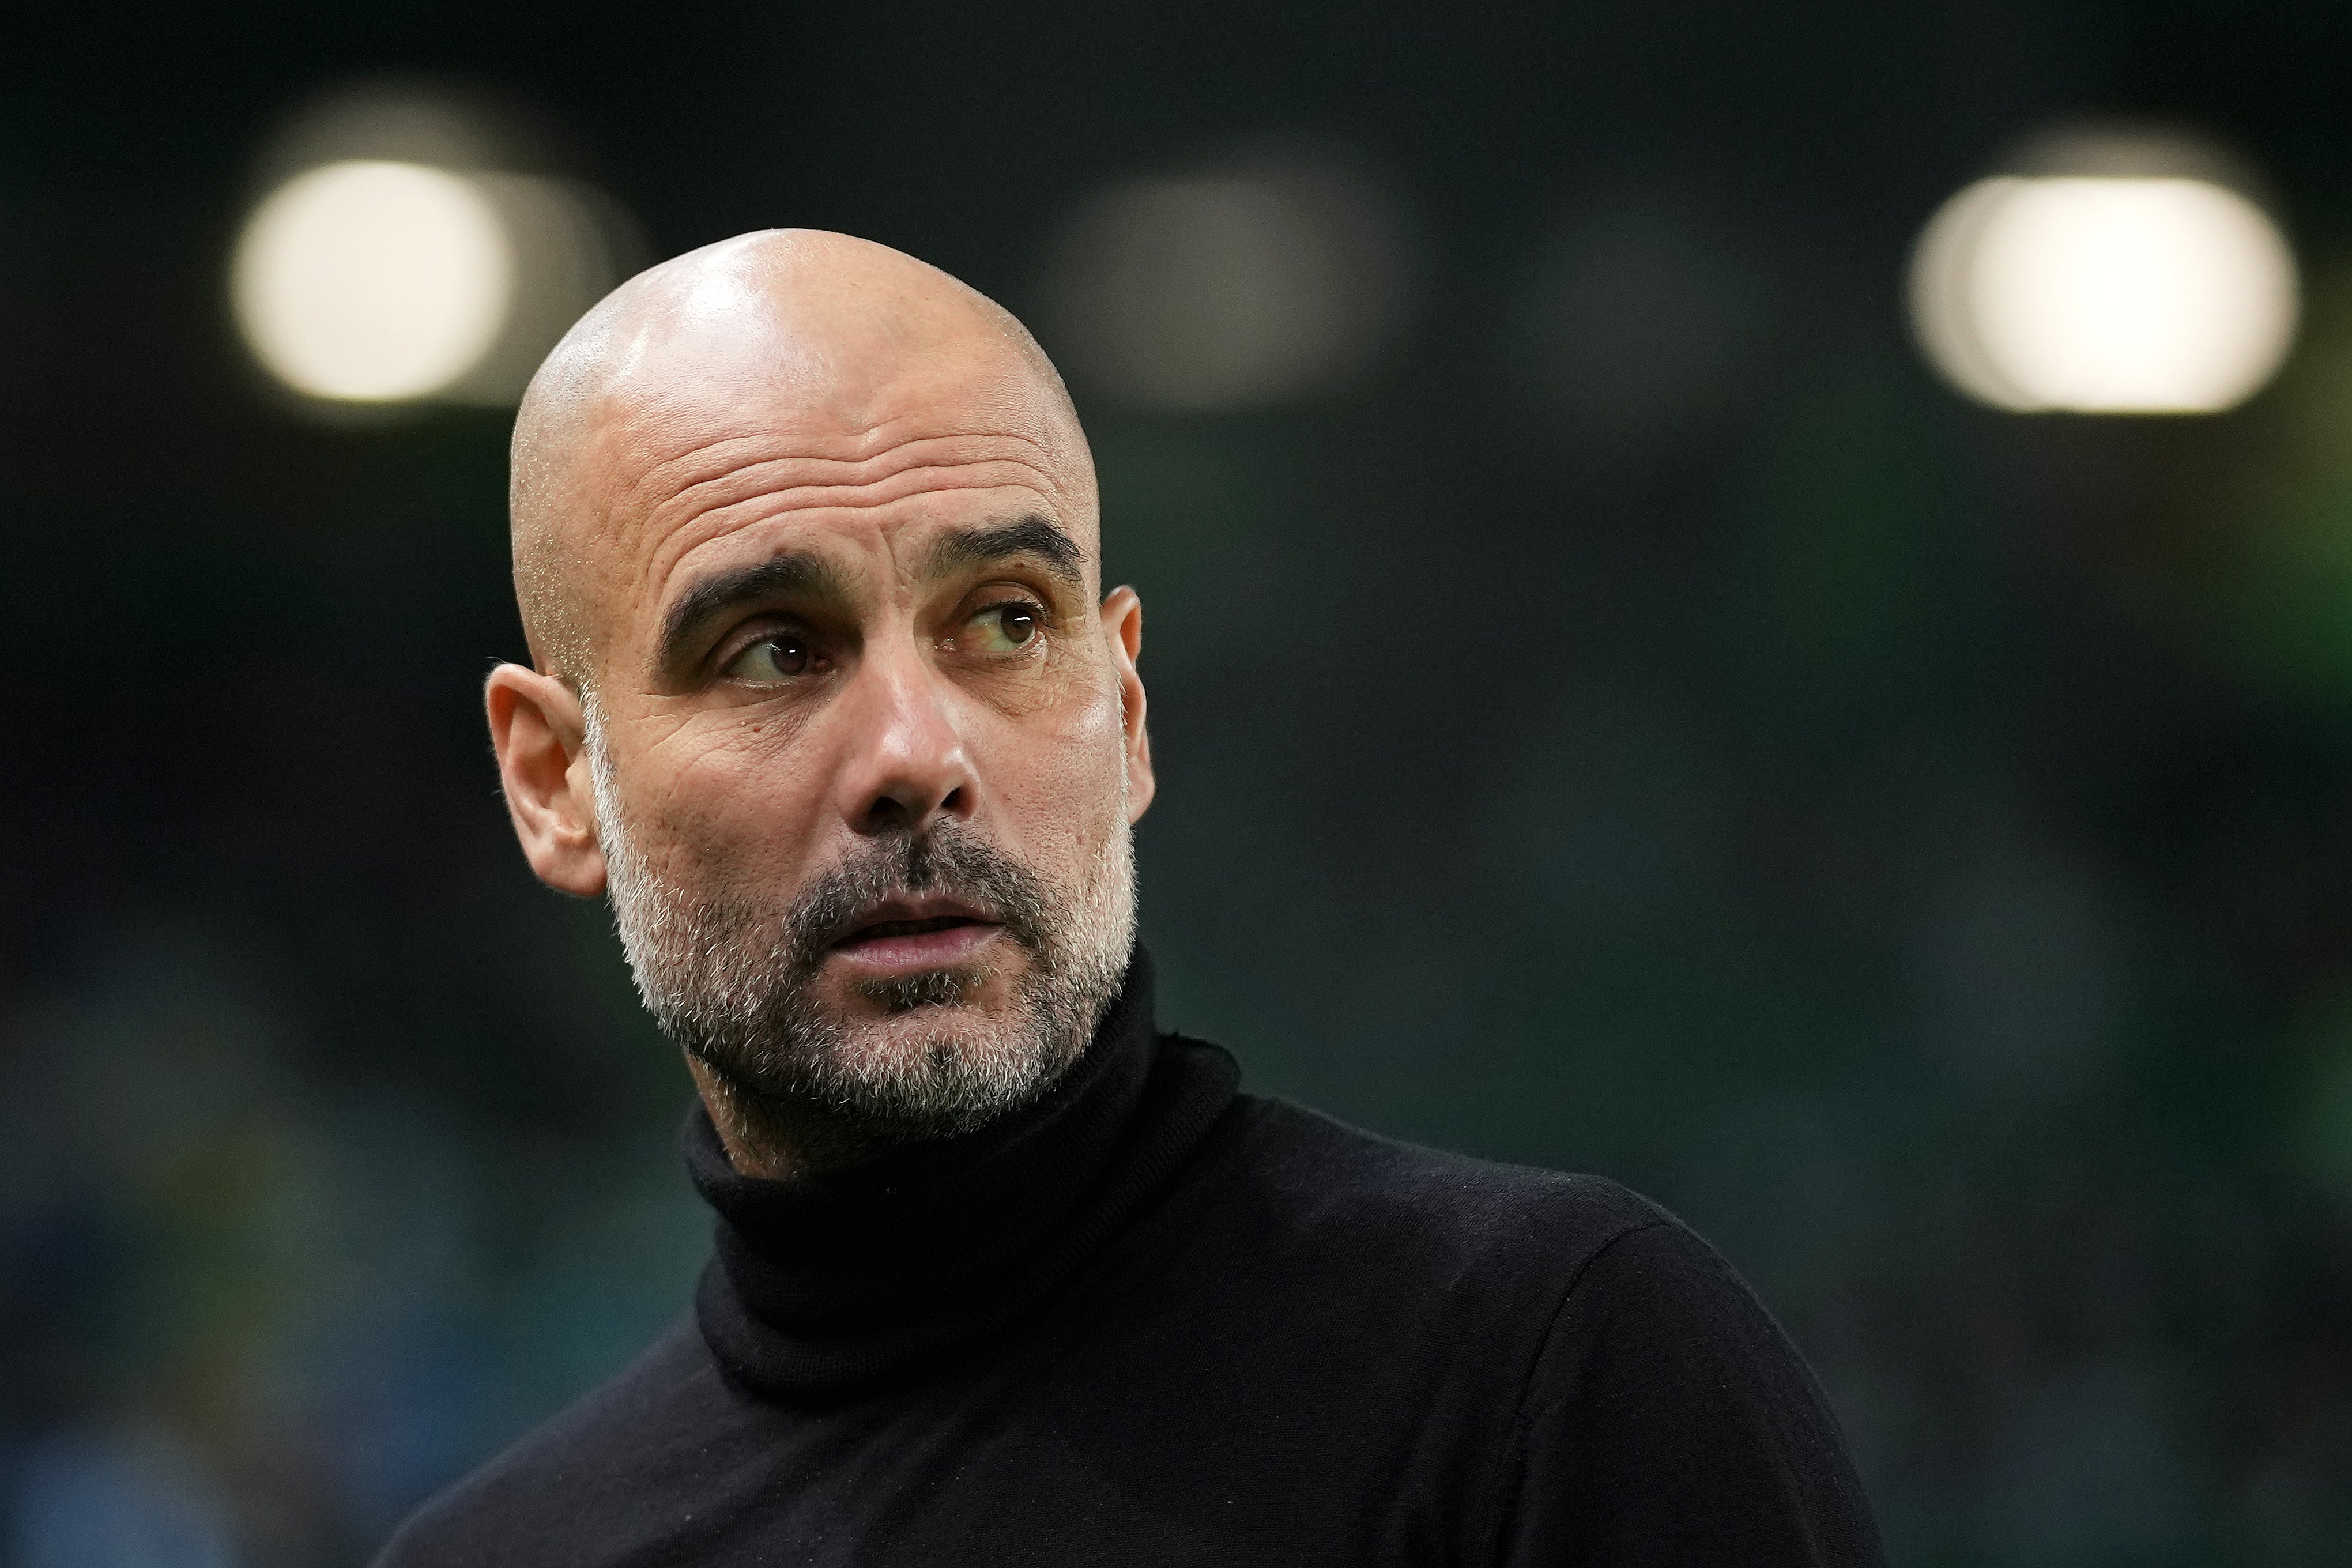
(831, 1281)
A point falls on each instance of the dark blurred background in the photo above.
(1617, 707)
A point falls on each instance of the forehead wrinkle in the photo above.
(664, 564)
(716, 503)
(999, 473)
(760, 475)
(802, 403)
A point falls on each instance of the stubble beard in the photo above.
(733, 981)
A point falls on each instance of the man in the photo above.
(825, 698)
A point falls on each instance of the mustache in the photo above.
(946, 860)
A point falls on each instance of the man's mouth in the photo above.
(908, 928)
(913, 935)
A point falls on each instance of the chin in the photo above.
(926, 1005)
(942, 1065)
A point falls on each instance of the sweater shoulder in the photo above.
(550, 1485)
(1344, 1184)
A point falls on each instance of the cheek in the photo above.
(1060, 781)
(740, 799)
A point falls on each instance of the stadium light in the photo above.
(418, 243)
(2105, 293)
(374, 282)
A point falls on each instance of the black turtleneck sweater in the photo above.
(1152, 1321)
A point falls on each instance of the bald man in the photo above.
(826, 700)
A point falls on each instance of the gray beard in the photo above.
(732, 980)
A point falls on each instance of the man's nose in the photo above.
(906, 764)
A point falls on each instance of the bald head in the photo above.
(787, 367)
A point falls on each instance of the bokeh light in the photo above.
(414, 244)
(1270, 280)
(372, 282)
(2105, 293)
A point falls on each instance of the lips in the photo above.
(900, 932)
(908, 928)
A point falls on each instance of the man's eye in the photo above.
(783, 657)
(1005, 628)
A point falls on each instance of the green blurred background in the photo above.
(1621, 712)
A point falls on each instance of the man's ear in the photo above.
(539, 731)
(1122, 617)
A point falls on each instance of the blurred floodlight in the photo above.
(372, 282)
(404, 253)
(1262, 282)
(2103, 292)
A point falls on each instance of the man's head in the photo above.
(826, 696)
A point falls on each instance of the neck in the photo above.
(833, 1281)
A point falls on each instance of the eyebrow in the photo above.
(799, 575)
(1033, 535)
(792, 575)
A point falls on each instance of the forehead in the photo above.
(734, 462)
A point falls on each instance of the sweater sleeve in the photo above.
(1668, 1421)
